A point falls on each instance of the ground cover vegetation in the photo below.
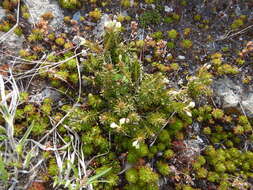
(135, 106)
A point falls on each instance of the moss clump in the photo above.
(95, 14)
(150, 17)
(237, 23)
(172, 34)
(36, 35)
(150, 1)
(186, 44)
(157, 35)
(9, 4)
(125, 3)
(52, 168)
(147, 176)
(218, 113)
(5, 26)
(70, 4)
(163, 168)
(227, 69)
(60, 41)
(168, 154)
(132, 175)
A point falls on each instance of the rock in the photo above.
(181, 57)
(46, 93)
(77, 16)
(99, 29)
(233, 97)
(247, 105)
(39, 7)
(2, 12)
(228, 92)
(168, 9)
(12, 42)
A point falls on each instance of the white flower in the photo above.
(166, 81)
(114, 125)
(191, 105)
(123, 121)
(112, 25)
(187, 108)
(136, 144)
(188, 113)
(207, 66)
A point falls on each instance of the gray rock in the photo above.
(99, 30)
(232, 95)
(228, 92)
(46, 93)
(168, 9)
(247, 105)
(2, 12)
(12, 42)
(181, 57)
(39, 7)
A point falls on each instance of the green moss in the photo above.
(146, 175)
(176, 16)
(70, 4)
(132, 175)
(168, 20)
(213, 176)
(172, 34)
(197, 17)
(164, 136)
(150, 1)
(125, 3)
(237, 23)
(150, 17)
(202, 173)
(18, 31)
(132, 157)
(60, 41)
(186, 44)
(142, 150)
(52, 168)
(239, 130)
(176, 125)
(227, 69)
(171, 45)
(36, 35)
(218, 113)
(157, 35)
(207, 131)
(163, 168)
(5, 26)
(168, 154)
(220, 167)
(95, 14)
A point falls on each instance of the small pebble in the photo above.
(181, 57)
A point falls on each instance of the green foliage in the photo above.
(200, 83)
(163, 168)
(237, 23)
(217, 113)
(149, 1)
(186, 44)
(147, 176)
(157, 35)
(150, 17)
(52, 168)
(172, 34)
(4, 175)
(70, 4)
(168, 154)
(132, 175)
